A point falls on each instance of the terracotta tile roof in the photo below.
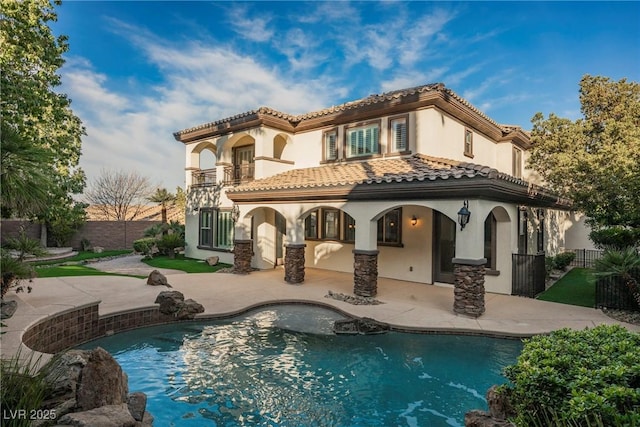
(418, 167)
(369, 100)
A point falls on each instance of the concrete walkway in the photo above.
(407, 305)
(131, 265)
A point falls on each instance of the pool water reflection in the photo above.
(282, 366)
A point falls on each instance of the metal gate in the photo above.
(528, 278)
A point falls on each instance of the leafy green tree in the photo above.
(181, 202)
(63, 220)
(594, 160)
(35, 117)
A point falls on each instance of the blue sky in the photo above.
(138, 71)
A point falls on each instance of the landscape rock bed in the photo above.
(353, 299)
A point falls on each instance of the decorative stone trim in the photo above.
(365, 273)
(242, 254)
(469, 287)
(294, 263)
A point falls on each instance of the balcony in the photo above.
(239, 174)
(203, 178)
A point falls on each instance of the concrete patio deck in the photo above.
(407, 305)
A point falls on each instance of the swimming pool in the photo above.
(282, 366)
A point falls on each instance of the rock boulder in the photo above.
(157, 279)
(173, 303)
(102, 382)
(104, 416)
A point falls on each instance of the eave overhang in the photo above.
(239, 123)
(373, 106)
(501, 190)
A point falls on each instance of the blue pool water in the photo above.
(282, 366)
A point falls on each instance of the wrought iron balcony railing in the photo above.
(203, 178)
(238, 174)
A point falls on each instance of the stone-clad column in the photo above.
(365, 273)
(294, 263)
(469, 286)
(242, 254)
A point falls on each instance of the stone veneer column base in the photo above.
(294, 263)
(365, 273)
(469, 287)
(242, 254)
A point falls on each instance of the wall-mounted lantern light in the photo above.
(463, 215)
(414, 220)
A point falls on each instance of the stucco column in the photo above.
(365, 273)
(294, 263)
(469, 286)
(242, 254)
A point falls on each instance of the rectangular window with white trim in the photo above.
(398, 136)
(331, 145)
(363, 141)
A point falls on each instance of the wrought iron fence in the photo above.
(529, 275)
(585, 258)
(612, 292)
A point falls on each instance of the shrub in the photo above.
(85, 244)
(155, 230)
(145, 246)
(24, 245)
(616, 237)
(589, 377)
(23, 388)
(624, 264)
(562, 261)
(169, 243)
(13, 272)
(64, 221)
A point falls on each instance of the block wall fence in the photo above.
(107, 234)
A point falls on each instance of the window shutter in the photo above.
(399, 135)
(331, 146)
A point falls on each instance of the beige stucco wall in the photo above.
(438, 134)
(577, 232)
(431, 132)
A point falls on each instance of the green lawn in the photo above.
(83, 256)
(188, 265)
(577, 287)
(73, 270)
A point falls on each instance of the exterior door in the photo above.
(444, 249)
(243, 162)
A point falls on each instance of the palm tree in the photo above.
(622, 263)
(24, 173)
(164, 198)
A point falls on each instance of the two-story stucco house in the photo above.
(415, 184)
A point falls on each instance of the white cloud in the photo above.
(251, 28)
(420, 34)
(130, 128)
